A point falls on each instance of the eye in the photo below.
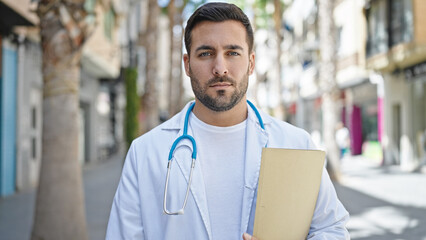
(233, 54)
(205, 54)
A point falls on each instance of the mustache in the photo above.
(221, 79)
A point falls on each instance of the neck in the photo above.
(221, 119)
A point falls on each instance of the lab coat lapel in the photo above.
(256, 139)
(197, 186)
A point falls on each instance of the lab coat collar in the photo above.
(197, 185)
(177, 121)
(256, 139)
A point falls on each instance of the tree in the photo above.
(132, 105)
(328, 84)
(59, 210)
(150, 108)
(175, 88)
(175, 14)
(278, 20)
(263, 20)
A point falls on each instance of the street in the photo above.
(384, 203)
(100, 182)
(79, 79)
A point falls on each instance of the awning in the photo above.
(16, 13)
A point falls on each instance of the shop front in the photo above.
(416, 79)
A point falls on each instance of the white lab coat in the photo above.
(137, 209)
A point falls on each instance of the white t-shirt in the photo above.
(221, 154)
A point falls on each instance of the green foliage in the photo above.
(185, 6)
(258, 7)
(263, 11)
(240, 3)
(132, 105)
(109, 22)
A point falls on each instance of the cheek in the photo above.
(240, 70)
(238, 64)
(200, 70)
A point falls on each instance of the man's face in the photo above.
(219, 64)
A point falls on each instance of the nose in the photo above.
(220, 68)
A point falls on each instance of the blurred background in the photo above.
(350, 72)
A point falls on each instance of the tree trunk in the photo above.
(59, 210)
(178, 63)
(278, 19)
(150, 97)
(328, 84)
(260, 78)
(171, 12)
(175, 88)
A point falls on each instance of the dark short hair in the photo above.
(218, 12)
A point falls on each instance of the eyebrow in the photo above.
(204, 47)
(233, 47)
(207, 47)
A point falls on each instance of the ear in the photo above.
(186, 63)
(251, 63)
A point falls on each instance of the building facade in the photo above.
(21, 91)
(100, 69)
(396, 52)
(357, 105)
(20, 97)
(381, 72)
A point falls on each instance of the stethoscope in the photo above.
(185, 135)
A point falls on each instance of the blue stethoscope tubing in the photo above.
(185, 135)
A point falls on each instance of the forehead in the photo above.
(219, 34)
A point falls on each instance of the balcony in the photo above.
(398, 57)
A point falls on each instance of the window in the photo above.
(34, 128)
(33, 148)
(339, 38)
(109, 23)
(390, 22)
(377, 28)
(33, 117)
(401, 21)
(89, 6)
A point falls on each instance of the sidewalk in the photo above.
(100, 182)
(384, 202)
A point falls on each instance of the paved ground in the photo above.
(100, 182)
(384, 203)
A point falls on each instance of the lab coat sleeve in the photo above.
(125, 219)
(330, 217)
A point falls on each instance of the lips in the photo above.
(220, 85)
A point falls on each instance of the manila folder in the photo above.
(288, 188)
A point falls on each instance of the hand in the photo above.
(247, 236)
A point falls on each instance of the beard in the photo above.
(221, 102)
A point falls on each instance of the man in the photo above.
(342, 138)
(227, 140)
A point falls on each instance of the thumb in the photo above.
(247, 236)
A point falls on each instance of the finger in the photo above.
(247, 236)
